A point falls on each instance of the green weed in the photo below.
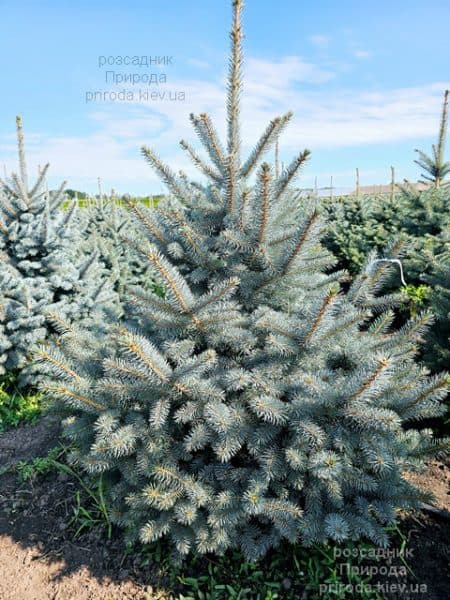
(39, 466)
(16, 407)
(290, 573)
(95, 511)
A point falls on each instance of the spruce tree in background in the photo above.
(436, 167)
(256, 401)
(46, 281)
(421, 219)
(357, 226)
(104, 223)
(437, 350)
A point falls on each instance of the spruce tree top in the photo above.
(435, 167)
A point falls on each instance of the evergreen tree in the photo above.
(436, 167)
(360, 224)
(104, 222)
(46, 281)
(256, 401)
(437, 352)
(421, 219)
(357, 226)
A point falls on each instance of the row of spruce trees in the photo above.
(232, 385)
(421, 220)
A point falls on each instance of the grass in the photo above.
(93, 512)
(89, 507)
(16, 407)
(39, 466)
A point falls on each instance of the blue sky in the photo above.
(364, 79)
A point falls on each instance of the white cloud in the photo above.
(284, 72)
(321, 41)
(349, 118)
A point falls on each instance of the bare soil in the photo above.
(436, 480)
(41, 559)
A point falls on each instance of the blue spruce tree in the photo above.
(435, 167)
(421, 219)
(105, 221)
(46, 280)
(257, 401)
(437, 352)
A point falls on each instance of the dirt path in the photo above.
(28, 574)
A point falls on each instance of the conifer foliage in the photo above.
(435, 167)
(256, 401)
(421, 219)
(438, 348)
(46, 281)
(104, 222)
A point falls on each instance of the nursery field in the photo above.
(56, 536)
(235, 390)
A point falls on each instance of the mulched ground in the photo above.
(40, 559)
